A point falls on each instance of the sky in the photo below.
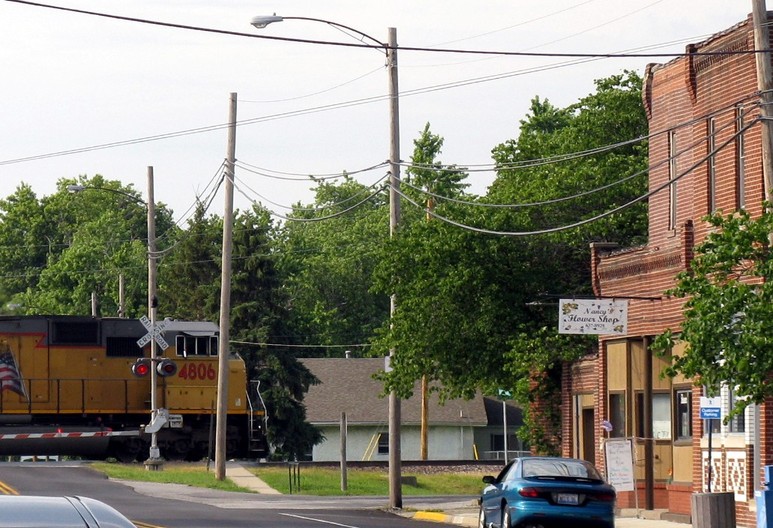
(74, 81)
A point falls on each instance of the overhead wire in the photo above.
(580, 223)
(320, 218)
(376, 46)
(291, 176)
(561, 199)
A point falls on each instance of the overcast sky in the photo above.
(72, 81)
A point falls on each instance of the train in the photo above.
(70, 386)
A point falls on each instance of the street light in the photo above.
(390, 48)
(154, 461)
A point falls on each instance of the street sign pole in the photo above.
(710, 409)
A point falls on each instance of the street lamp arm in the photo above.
(80, 188)
(261, 22)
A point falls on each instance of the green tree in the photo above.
(326, 255)
(258, 315)
(728, 309)
(189, 273)
(465, 300)
(93, 238)
(25, 243)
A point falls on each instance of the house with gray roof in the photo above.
(347, 386)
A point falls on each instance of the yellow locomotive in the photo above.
(67, 388)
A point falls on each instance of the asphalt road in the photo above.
(175, 506)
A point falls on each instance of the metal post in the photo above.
(155, 454)
(395, 489)
(504, 426)
(343, 426)
(225, 298)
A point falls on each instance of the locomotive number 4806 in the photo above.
(198, 371)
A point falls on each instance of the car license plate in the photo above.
(567, 498)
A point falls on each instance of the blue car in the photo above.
(541, 492)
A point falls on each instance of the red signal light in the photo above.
(166, 367)
(141, 367)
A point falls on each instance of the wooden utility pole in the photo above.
(765, 87)
(225, 298)
(395, 462)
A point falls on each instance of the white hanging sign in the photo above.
(592, 316)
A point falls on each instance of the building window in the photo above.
(672, 175)
(740, 153)
(737, 424)
(661, 416)
(711, 163)
(683, 413)
(383, 444)
(617, 414)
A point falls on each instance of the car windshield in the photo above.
(559, 468)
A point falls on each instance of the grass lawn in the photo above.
(324, 481)
(173, 473)
(313, 481)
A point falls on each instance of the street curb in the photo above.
(459, 520)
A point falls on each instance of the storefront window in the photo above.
(661, 416)
(683, 413)
(617, 414)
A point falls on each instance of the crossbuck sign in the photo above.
(154, 332)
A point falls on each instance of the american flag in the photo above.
(10, 379)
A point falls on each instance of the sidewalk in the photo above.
(471, 519)
(459, 513)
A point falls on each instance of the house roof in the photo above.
(347, 385)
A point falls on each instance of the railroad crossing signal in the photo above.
(154, 333)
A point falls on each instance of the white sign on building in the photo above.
(592, 316)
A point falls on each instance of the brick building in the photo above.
(702, 159)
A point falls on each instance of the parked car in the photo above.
(534, 492)
(58, 512)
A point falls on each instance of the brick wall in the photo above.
(681, 97)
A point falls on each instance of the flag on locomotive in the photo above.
(10, 378)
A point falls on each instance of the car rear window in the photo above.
(559, 468)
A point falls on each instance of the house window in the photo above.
(672, 175)
(683, 413)
(383, 444)
(740, 154)
(617, 414)
(711, 163)
(497, 442)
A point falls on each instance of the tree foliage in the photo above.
(326, 256)
(465, 311)
(728, 309)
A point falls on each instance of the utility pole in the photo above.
(395, 470)
(225, 297)
(154, 460)
(765, 87)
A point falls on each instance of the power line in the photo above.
(383, 45)
(588, 220)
